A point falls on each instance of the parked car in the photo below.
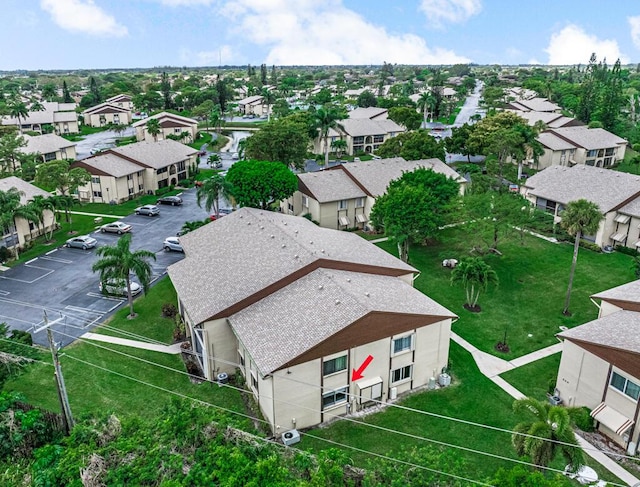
(116, 227)
(118, 287)
(148, 210)
(202, 153)
(172, 243)
(83, 242)
(170, 200)
(217, 165)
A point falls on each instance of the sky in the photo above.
(102, 34)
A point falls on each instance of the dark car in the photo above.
(170, 200)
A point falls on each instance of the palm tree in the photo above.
(548, 433)
(211, 191)
(10, 209)
(18, 109)
(426, 103)
(153, 128)
(324, 119)
(530, 147)
(475, 275)
(118, 263)
(268, 98)
(339, 145)
(193, 225)
(578, 218)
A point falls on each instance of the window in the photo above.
(590, 162)
(140, 187)
(129, 177)
(254, 381)
(332, 398)
(181, 166)
(592, 153)
(334, 365)
(359, 202)
(403, 373)
(241, 357)
(50, 156)
(625, 386)
(342, 205)
(358, 140)
(610, 152)
(403, 344)
(378, 139)
(97, 194)
(95, 180)
(177, 130)
(116, 118)
(305, 201)
(130, 190)
(607, 161)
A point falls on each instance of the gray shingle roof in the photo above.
(554, 142)
(156, 154)
(112, 164)
(363, 126)
(588, 138)
(626, 292)
(619, 330)
(368, 113)
(632, 208)
(376, 175)
(166, 116)
(45, 144)
(236, 256)
(27, 190)
(285, 324)
(331, 185)
(604, 187)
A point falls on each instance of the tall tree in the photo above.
(458, 142)
(284, 140)
(66, 96)
(165, 87)
(269, 98)
(405, 116)
(18, 109)
(56, 174)
(413, 146)
(549, 433)
(475, 275)
(260, 184)
(325, 119)
(94, 91)
(263, 74)
(211, 191)
(10, 154)
(10, 209)
(426, 103)
(414, 207)
(117, 263)
(367, 99)
(579, 218)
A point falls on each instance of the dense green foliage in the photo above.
(413, 146)
(285, 140)
(259, 184)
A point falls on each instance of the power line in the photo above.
(426, 413)
(388, 430)
(205, 403)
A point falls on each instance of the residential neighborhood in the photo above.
(411, 271)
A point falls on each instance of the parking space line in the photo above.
(51, 252)
(33, 267)
(30, 261)
(105, 298)
(56, 259)
(83, 310)
(4, 293)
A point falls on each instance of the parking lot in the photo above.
(62, 284)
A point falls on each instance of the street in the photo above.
(61, 282)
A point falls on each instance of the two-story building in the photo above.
(319, 322)
(105, 114)
(342, 197)
(49, 146)
(20, 231)
(126, 172)
(169, 124)
(60, 117)
(600, 365)
(617, 195)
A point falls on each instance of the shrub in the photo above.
(627, 250)
(22, 337)
(169, 310)
(590, 246)
(582, 418)
(5, 254)
(161, 191)
(184, 182)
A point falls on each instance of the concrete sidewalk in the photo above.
(153, 347)
(91, 214)
(492, 367)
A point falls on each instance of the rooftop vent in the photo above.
(272, 236)
(366, 293)
(320, 286)
(337, 301)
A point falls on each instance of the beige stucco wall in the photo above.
(94, 119)
(222, 348)
(67, 127)
(22, 227)
(607, 308)
(113, 188)
(581, 376)
(298, 389)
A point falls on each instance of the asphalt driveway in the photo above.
(61, 282)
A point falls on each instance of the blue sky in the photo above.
(73, 34)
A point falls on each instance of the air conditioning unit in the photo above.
(290, 437)
(393, 393)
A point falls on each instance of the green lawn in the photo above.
(149, 323)
(534, 379)
(528, 301)
(203, 138)
(122, 209)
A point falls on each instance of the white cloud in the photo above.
(451, 11)
(308, 32)
(634, 22)
(83, 16)
(185, 3)
(224, 55)
(572, 45)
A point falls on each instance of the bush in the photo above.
(5, 254)
(169, 310)
(582, 418)
(161, 191)
(21, 337)
(627, 250)
(184, 182)
(590, 246)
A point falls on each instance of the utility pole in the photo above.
(62, 390)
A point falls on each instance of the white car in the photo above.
(172, 243)
(119, 287)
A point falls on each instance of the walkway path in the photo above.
(91, 214)
(153, 347)
(492, 366)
